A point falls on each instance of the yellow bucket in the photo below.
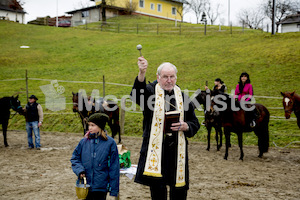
(82, 190)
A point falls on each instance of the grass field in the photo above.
(273, 63)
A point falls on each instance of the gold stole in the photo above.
(154, 153)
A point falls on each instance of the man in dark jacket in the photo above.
(34, 120)
(164, 157)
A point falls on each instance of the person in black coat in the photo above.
(142, 94)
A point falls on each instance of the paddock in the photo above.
(47, 174)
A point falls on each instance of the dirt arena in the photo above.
(47, 174)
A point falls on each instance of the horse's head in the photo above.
(288, 103)
(201, 98)
(219, 103)
(75, 101)
(15, 104)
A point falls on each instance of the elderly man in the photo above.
(164, 157)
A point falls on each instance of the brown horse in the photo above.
(291, 102)
(108, 107)
(237, 121)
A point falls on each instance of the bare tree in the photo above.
(111, 2)
(212, 11)
(130, 7)
(197, 6)
(84, 4)
(252, 18)
(182, 9)
(283, 8)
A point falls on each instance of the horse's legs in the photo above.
(219, 131)
(227, 137)
(240, 138)
(208, 127)
(116, 123)
(4, 128)
(217, 137)
(298, 122)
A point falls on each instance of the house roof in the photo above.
(291, 19)
(11, 5)
(92, 7)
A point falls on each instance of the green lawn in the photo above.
(73, 54)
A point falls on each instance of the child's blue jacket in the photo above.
(99, 159)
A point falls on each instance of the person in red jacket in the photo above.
(244, 92)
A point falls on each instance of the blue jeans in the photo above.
(33, 126)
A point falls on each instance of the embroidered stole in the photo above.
(154, 154)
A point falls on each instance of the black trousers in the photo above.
(96, 195)
(159, 192)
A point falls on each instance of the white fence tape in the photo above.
(119, 84)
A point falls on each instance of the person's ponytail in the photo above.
(103, 134)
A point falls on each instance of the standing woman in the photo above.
(244, 92)
(96, 158)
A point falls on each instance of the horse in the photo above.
(291, 102)
(108, 107)
(211, 120)
(235, 119)
(7, 103)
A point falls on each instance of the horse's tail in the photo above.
(263, 130)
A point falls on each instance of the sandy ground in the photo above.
(47, 174)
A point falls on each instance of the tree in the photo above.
(197, 6)
(252, 18)
(130, 7)
(283, 9)
(211, 11)
(182, 10)
(103, 11)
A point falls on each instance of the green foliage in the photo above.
(273, 63)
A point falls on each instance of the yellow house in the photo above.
(166, 9)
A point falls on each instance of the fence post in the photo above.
(85, 24)
(122, 118)
(157, 30)
(243, 26)
(231, 28)
(103, 86)
(180, 29)
(26, 79)
(118, 28)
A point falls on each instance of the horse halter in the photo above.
(13, 107)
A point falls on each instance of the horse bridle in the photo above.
(14, 108)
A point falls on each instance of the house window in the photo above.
(298, 25)
(173, 11)
(85, 13)
(159, 7)
(142, 3)
(152, 6)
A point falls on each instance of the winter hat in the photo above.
(99, 119)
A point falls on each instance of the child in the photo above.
(96, 157)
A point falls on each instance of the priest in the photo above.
(164, 155)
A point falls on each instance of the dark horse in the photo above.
(7, 103)
(291, 102)
(211, 119)
(113, 114)
(235, 119)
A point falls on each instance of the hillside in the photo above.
(273, 63)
